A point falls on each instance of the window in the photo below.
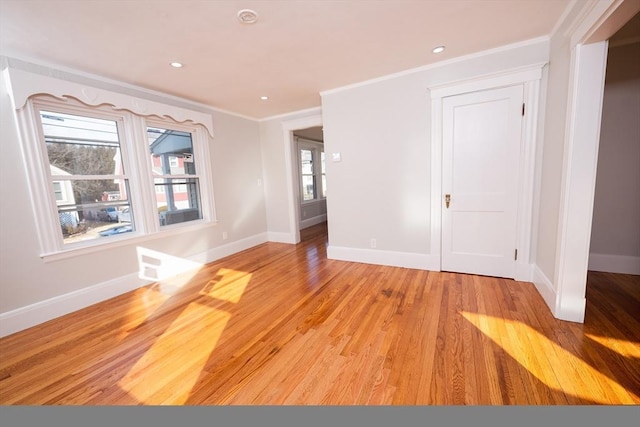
(312, 171)
(113, 175)
(85, 160)
(174, 175)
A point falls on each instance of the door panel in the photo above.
(481, 152)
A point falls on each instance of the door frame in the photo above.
(530, 78)
(291, 161)
(589, 36)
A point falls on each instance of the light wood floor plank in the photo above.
(282, 324)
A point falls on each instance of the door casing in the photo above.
(530, 78)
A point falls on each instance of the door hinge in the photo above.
(523, 108)
(515, 256)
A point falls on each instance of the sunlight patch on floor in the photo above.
(533, 351)
(165, 269)
(622, 347)
(227, 285)
(194, 334)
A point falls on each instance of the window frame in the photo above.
(136, 170)
(316, 148)
(203, 174)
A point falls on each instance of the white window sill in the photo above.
(132, 239)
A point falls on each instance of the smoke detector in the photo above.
(247, 16)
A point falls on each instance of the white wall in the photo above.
(277, 172)
(615, 236)
(381, 187)
(34, 289)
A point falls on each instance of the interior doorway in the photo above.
(312, 182)
(589, 58)
(294, 186)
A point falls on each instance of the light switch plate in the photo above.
(335, 157)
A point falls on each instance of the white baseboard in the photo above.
(230, 248)
(274, 236)
(43, 311)
(614, 263)
(545, 288)
(310, 222)
(378, 257)
(571, 310)
(524, 272)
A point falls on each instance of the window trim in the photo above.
(66, 96)
(316, 148)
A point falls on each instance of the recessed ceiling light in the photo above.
(438, 49)
(247, 16)
(176, 64)
(264, 98)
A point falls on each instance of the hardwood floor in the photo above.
(281, 324)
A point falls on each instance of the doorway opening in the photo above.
(312, 179)
(302, 129)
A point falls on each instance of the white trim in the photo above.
(545, 288)
(523, 272)
(582, 136)
(436, 196)
(563, 17)
(43, 311)
(571, 310)
(18, 61)
(590, 20)
(526, 179)
(439, 64)
(25, 84)
(378, 257)
(230, 248)
(310, 222)
(292, 170)
(529, 77)
(510, 77)
(277, 237)
(622, 264)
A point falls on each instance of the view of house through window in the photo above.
(174, 175)
(313, 173)
(87, 177)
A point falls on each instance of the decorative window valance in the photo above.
(24, 84)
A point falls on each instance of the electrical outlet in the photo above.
(225, 236)
(373, 243)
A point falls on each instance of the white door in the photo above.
(481, 153)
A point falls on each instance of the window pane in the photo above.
(307, 187)
(324, 185)
(178, 201)
(83, 216)
(306, 158)
(322, 162)
(80, 145)
(171, 152)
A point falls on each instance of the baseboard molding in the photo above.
(278, 237)
(43, 311)
(571, 310)
(524, 272)
(545, 288)
(614, 263)
(310, 222)
(378, 257)
(230, 248)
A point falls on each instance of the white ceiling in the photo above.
(294, 51)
